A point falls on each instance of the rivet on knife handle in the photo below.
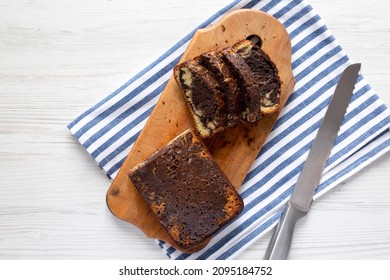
(309, 178)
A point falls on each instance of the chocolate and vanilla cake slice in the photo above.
(204, 97)
(251, 95)
(227, 83)
(265, 74)
(187, 191)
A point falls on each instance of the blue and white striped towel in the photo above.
(108, 129)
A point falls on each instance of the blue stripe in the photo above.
(286, 9)
(299, 45)
(269, 144)
(267, 7)
(171, 250)
(253, 3)
(305, 26)
(318, 63)
(360, 140)
(321, 45)
(305, 10)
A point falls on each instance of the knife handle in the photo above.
(279, 245)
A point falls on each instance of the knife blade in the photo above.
(301, 199)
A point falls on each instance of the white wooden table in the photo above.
(58, 58)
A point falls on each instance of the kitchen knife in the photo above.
(309, 178)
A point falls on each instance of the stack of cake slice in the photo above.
(236, 83)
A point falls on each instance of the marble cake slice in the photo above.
(265, 74)
(204, 97)
(251, 94)
(187, 191)
(228, 84)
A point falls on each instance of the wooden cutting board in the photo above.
(236, 149)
